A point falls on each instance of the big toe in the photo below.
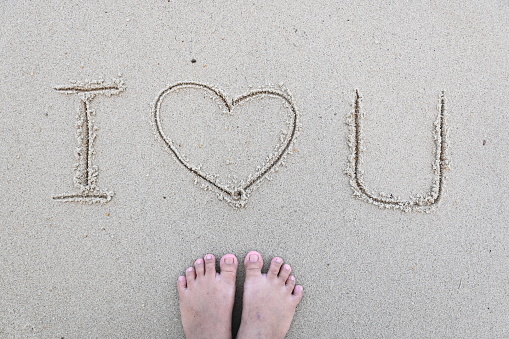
(253, 264)
(228, 265)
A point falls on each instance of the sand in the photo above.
(106, 266)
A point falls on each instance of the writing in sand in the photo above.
(218, 165)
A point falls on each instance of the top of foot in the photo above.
(270, 299)
(206, 297)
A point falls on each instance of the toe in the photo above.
(284, 272)
(181, 284)
(290, 283)
(253, 264)
(190, 275)
(210, 265)
(298, 293)
(199, 267)
(275, 266)
(229, 264)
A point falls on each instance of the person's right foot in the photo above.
(269, 300)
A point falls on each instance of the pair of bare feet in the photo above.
(206, 298)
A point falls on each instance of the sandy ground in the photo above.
(75, 270)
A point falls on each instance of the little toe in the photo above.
(284, 272)
(253, 264)
(229, 265)
(298, 293)
(199, 267)
(181, 284)
(274, 268)
(210, 265)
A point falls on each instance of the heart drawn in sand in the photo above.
(237, 194)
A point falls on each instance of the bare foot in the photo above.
(206, 298)
(269, 299)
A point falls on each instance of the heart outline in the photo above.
(237, 197)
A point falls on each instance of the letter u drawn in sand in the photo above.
(86, 173)
(235, 194)
(418, 202)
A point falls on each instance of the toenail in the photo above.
(199, 262)
(208, 256)
(253, 258)
(292, 278)
(190, 269)
(278, 260)
(228, 260)
(287, 267)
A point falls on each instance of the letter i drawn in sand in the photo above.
(423, 203)
(86, 173)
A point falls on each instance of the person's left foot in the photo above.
(206, 298)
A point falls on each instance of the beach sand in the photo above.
(109, 270)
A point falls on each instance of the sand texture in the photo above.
(364, 142)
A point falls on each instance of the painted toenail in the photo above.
(278, 260)
(292, 278)
(253, 258)
(199, 262)
(287, 267)
(229, 260)
(190, 269)
(208, 256)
